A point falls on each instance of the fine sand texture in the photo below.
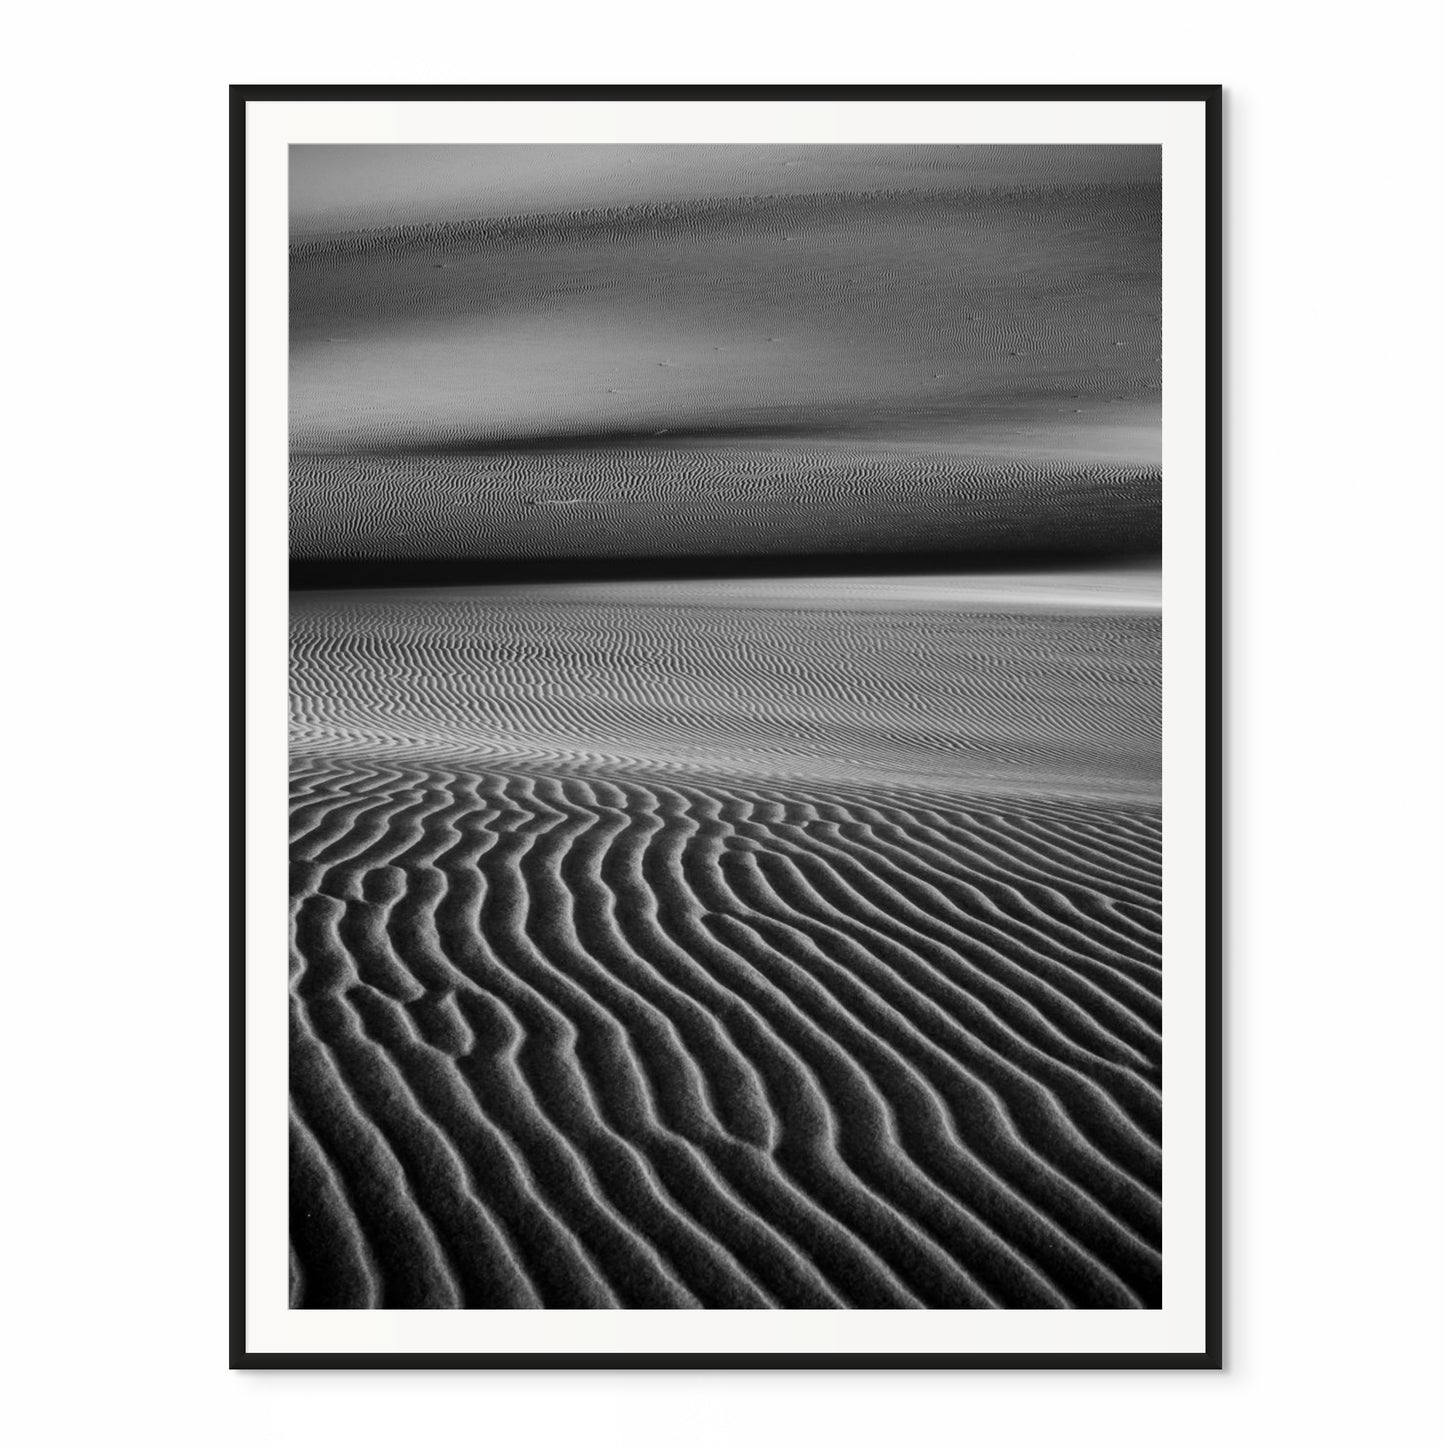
(689, 351)
(727, 944)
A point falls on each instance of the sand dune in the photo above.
(337, 188)
(725, 941)
(656, 951)
(737, 500)
(671, 351)
(867, 694)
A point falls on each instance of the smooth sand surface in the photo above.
(655, 948)
(1106, 589)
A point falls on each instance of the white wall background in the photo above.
(114, 1034)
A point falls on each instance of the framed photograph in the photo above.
(726, 747)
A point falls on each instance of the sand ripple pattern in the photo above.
(868, 696)
(741, 500)
(597, 1005)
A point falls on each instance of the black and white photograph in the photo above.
(725, 637)
(721, 725)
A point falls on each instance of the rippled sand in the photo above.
(740, 945)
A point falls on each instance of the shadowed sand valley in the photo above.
(728, 944)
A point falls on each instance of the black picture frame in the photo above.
(1211, 1357)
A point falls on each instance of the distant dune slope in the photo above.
(336, 188)
(658, 947)
(503, 354)
(833, 498)
(866, 694)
